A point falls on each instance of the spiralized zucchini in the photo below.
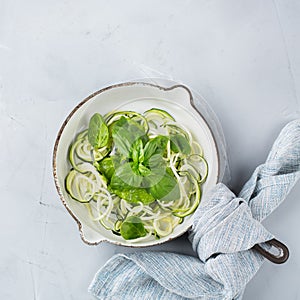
(138, 175)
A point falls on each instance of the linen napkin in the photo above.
(225, 229)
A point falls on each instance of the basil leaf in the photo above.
(125, 132)
(98, 134)
(125, 176)
(119, 137)
(132, 228)
(179, 143)
(166, 189)
(157, 166)
(137, 152)
(144, 171)
(157, 145)
(106, 167)
(134, 195)
(156, 163)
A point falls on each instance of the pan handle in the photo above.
(279, 258)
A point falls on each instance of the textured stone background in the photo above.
(242, 56)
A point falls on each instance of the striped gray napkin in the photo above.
(225, 229)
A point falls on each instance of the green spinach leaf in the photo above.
(98, 134)
(132, 228)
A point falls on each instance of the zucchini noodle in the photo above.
(167, 169)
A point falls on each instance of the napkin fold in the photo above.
(225, 229)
